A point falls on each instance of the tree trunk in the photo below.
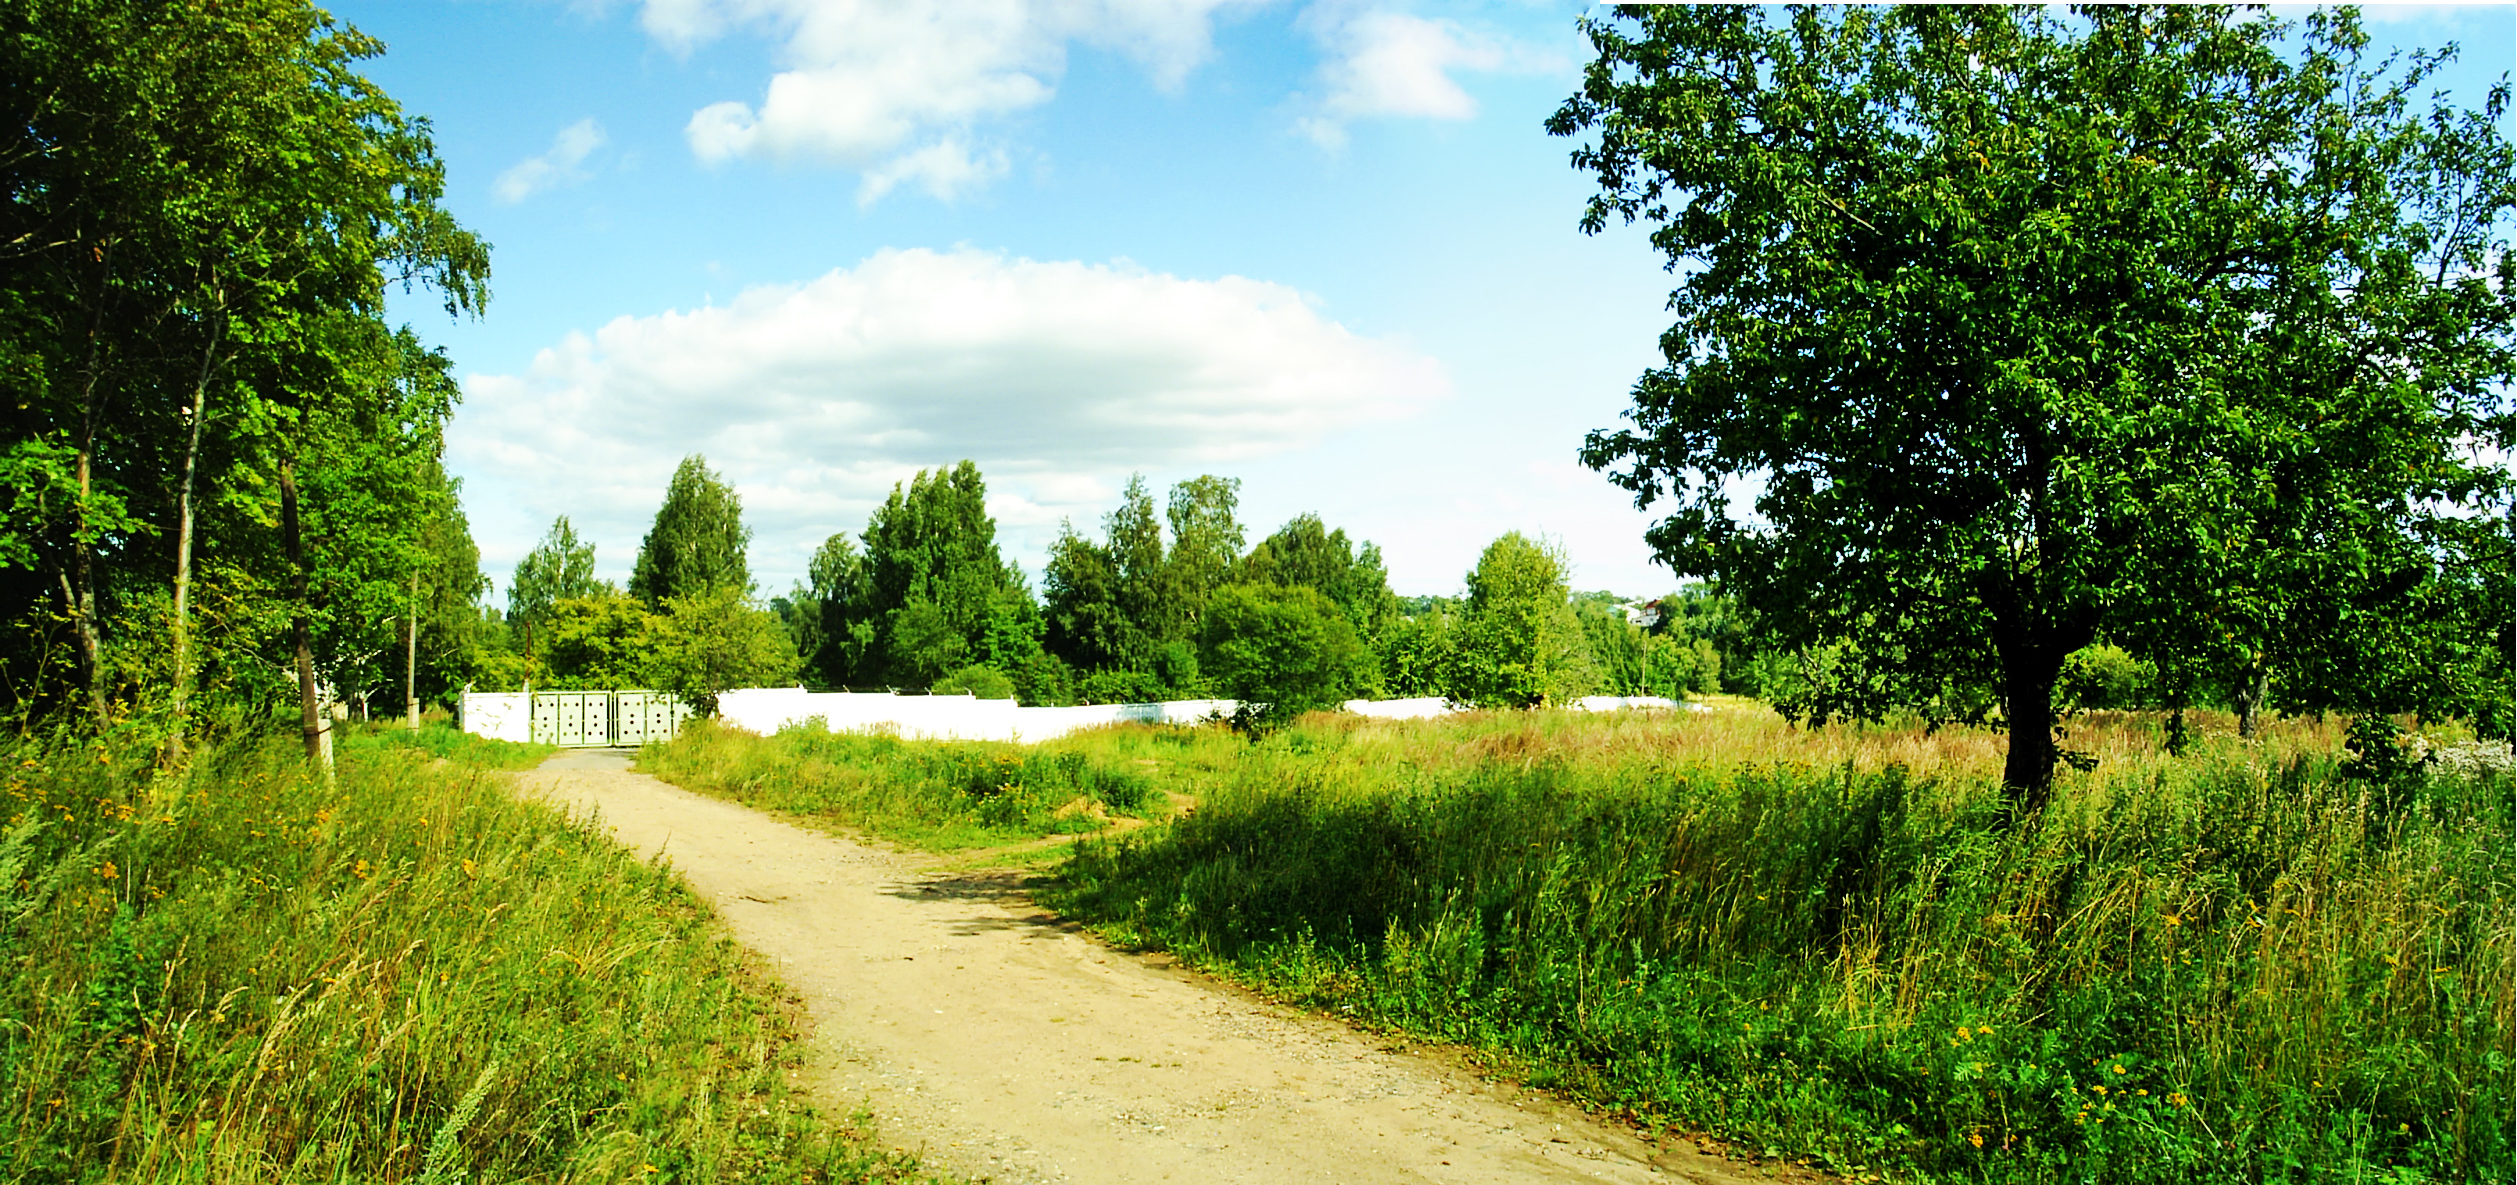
(410, 659)
(2030, 667)
(83, 563)
(183, 543)
(310, 717)
(2029, 772)
(2253, 684)
(82, 553)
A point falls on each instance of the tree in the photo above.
(369, 467)
(714, 640)
(933, 580)
(1305, 552)
(1206, 541)
(1518, 644)
(1126, 611)
(698, 541)
(1281, 651)
(604, 639)
(2012, 323)
(1088, 623)
(1416, 651)
(559, 568)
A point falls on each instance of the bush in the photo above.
(2104, 678)
(980, 680)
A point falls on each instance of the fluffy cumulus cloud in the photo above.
(900, 90)
(1378, 63)
(1058, 378)
(562, 165)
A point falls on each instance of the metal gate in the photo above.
(594, 719)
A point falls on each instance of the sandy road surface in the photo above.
(1003, 1044)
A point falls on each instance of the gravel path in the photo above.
(1004, 1044)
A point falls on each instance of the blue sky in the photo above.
(1322, 247)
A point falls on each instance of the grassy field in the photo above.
(238, 973)
(2241, 965)
(2237, 966)
(935, 796)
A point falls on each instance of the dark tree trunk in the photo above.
(2031, 664)
(310, 716)
(2028, 700)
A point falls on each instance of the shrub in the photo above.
(985, 682)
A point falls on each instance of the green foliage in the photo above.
(1128, 612)
(1282, 651)
(2104, 677)
(927, 595)
(717, 639)
(697, 646)
(442, 740)
(2227, 969)
(606, 640)
(1206, 541)
(559, 568)
(1633, 660)
(237, 973)
(697, 544)
(206, 203)
(1517, 643)
(935, 795)
(2030, 328)
(1416, 650)
(2379, 752)
(1305, 553)
(985, 682)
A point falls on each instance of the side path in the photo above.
(1002, 1043)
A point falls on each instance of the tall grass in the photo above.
(2241, 966)
(935, 795)
(239, 973)
(439, 738)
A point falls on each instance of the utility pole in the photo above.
(410, 658)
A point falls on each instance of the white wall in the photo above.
(508, 716)
(498, 715)
(944, 717)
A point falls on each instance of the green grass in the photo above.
(440, 738)
(937, 796)
(240, 973)
(2241, 966)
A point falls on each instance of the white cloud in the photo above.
(1058, 378)
(944, 169)
(881, 85)
(554, 168)
(1383, 64)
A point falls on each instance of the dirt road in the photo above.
(1002, 1043)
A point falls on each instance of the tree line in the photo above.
(1168, 602)
(222, 464)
